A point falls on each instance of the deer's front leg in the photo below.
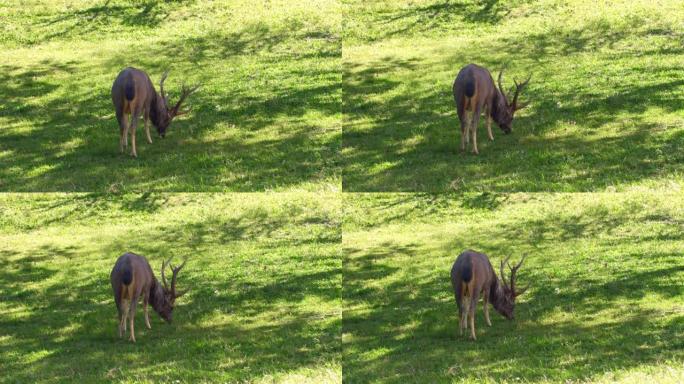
(147, 317)
(489, 128)
(486, 311)
(147, 130)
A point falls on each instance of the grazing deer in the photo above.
(473, 275)
(133, 94)
(474, 91)
(133, 278)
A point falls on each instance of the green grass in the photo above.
(264, 272)
(268, 116)
(606, 94)
(605, 303)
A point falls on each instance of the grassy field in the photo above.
(606, 94)
(264, 272)
(605, 303)
(268, 116)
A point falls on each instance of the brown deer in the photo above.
(133, 94)
(474, 91)
(473, 275)
(132, 278)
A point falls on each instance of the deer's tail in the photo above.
(129, 89)
(466, 277)
(127, 276)
(469, 89)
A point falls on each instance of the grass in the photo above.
(266, 119)
(606, 90)
(264, 272)
(605, 303)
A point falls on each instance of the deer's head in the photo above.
(503, 109)
(169, 295)
(510, 292)
(163, 114)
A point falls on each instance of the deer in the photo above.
(475, 92)
(133, 94)
(472, 277)
(132, 278)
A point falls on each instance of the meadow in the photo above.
(606, 95)
(264, 273)
(267, 118)
(605, 304)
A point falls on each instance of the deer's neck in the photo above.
(157, 110)
(156, 295)
(496, 294)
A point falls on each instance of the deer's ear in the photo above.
(181, 293)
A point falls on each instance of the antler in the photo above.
(166, 285)
(185, 92)
(514, 271)
(519, 87)
(501, 88)
(175, 274)
(503, 275)
(161, 85)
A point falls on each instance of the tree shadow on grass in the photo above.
(443, 15)
(236, 141)
(101, 17)
(411, 142)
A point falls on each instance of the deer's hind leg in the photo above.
(134, 124)
(471, 312)
(473, 126)
(123, 311)
(463, 119)
(122, 118)
(146, 117)
(464, 305)
(134, 304)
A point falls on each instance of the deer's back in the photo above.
(473, 80)
(132, 268)
(471, 265)
(132, 86)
